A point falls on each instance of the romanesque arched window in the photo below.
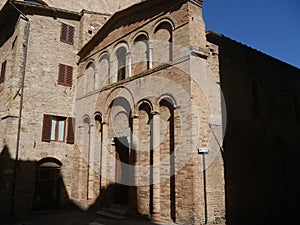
(163, 49)
(140, 54)
(90, 77)
(104, 71)
(121, 63)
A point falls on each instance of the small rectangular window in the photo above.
(57, 128)
(65, 75)
(3, 70)
(67, 34)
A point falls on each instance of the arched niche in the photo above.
(103, 77)
(90, 77)
(162, 45)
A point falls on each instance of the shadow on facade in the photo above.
(111, 197)
(116, 195)
(261, 144)
(39, 186)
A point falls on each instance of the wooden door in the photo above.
(47, 188)
(122, 176)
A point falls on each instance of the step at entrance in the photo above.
(114, 211)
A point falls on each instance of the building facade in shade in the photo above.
(108, 104)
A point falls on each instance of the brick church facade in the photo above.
(108, 103)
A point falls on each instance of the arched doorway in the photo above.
(47, 184)
(120, 119)
(122, 172)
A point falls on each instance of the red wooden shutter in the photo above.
(64, 32)
(47, 125)
(65, 75)
(2, 75)
(71, 131)
(71, 35)
(69, 76)
(67, 34)
(61, 74)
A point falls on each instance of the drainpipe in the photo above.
(88, 167)
(88, 122)
(25, 45)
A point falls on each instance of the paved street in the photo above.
(76, 217)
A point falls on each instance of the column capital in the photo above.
(154, 113)
(150, 45)
(104, 123)
(135, 116)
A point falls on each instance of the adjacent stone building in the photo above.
(39, 43)
(109, 104)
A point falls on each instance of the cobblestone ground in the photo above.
(75, 217)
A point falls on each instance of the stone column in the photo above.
(156, 166)
(91, 178)
(134, 148)
(103, 153)
(129, 60)
(150, 56)
(81, 185)
(113, 70)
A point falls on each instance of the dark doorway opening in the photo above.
(122, 170)
(47, 186)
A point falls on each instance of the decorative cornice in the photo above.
(198, 2)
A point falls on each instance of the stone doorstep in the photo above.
(115, 211)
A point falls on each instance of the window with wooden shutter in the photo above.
(55, 128)
(3, 69)
(71, 127)
(65, 75)
(47, 126)
(67, 34)
(58, 127)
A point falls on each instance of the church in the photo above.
(135, 106)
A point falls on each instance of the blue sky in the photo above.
(270, 26)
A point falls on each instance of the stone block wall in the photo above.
(43, 95)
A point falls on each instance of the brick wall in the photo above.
(261, 96)
(191, 81)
